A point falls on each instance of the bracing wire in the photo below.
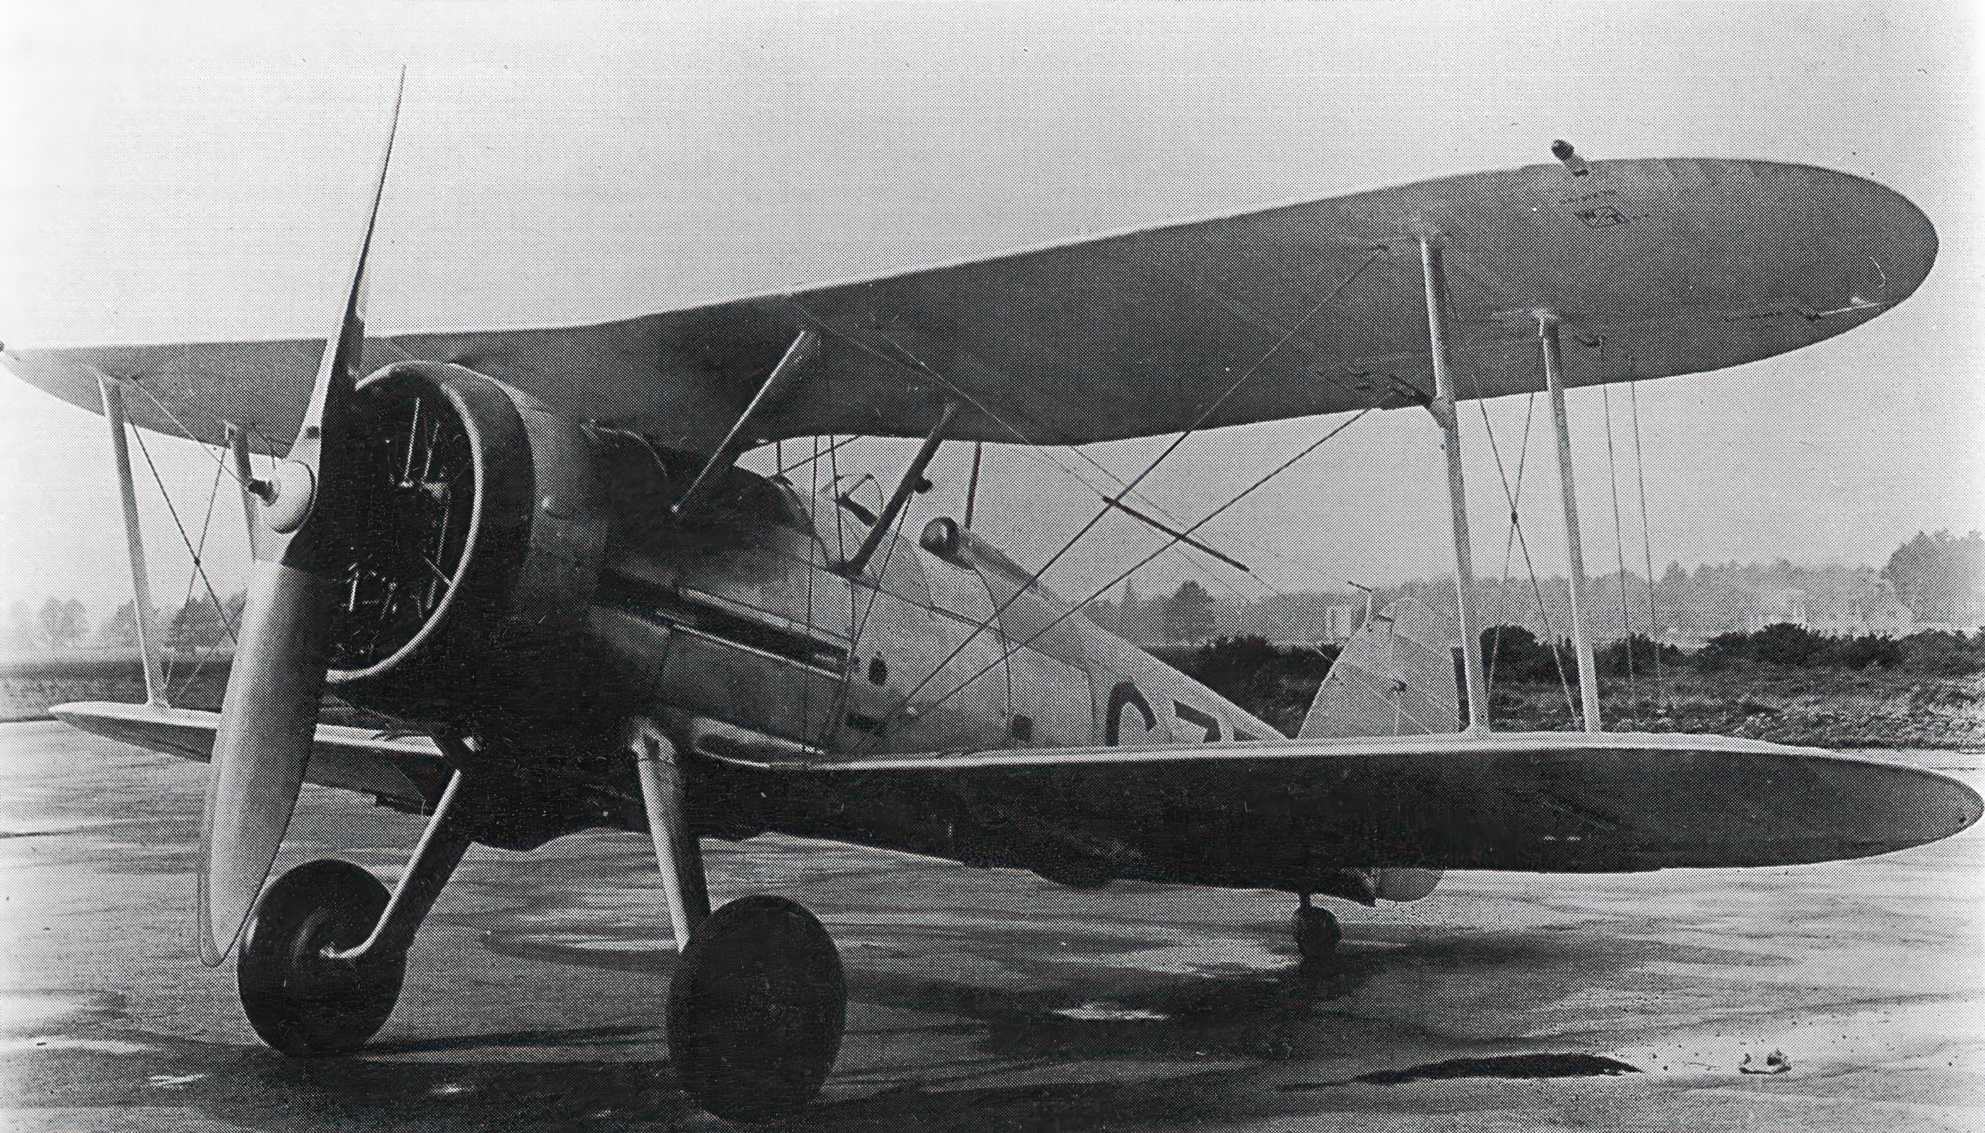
(1068, 545)
(1127, 488)
(1509, 543)
(1646, 541)
(1515, 522)
(1516, 528)
(198, 566)
(815, 543)
(181, 426)
(1619, 550)
(1516, 535)
(1042, 453)
(817, 454)
(1008, 649)
(206, 522)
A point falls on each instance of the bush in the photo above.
(1514, 654)
(1943, 653)
(1931, 652)
(1783, 643)
(1275, 682)
(1859, 653)
(1641, 650)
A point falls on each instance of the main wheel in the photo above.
(756, 1010)
(1317, 933)
(299, 1002)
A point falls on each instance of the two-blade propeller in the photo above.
(269, 712)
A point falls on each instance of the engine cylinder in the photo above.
(470, 552)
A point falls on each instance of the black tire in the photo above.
(1317, 933)
(756, 1010)
(300, 1003)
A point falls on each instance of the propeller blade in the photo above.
(268, 720)
(269, 712)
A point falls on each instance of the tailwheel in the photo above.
(756, 1010)
(1316, 931)
(300, 1002)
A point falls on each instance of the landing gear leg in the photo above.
(1316, 931)
(759, 1000)
(325, 951)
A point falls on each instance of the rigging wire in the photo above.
(1128, 488)
(1509, 541)
(1008, 649)
(1516, 535)
(1619, 552)
(1523, 542)
(1043, 454)
(198, 565)
(1204, 416)
(813, 524)
(185, 432)
(1515, 522)
(1646, 542)
(817, 454)
(200, 663)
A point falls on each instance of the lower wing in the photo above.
(1270, 814)
(1275, 814)
(402, 771)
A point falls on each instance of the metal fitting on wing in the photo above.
(1563, 151)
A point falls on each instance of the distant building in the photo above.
(1877, 613)
(1882, 617)
(1784, 607)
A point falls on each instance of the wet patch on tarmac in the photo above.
(1504, 1066)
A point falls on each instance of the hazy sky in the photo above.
(198, 171)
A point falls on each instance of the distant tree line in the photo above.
(1514, 654)
(64, 624)
(1278, 682)
(1932, 580)
(60, 624)
(1189, 614)
(1940, 578)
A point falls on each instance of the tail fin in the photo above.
(1395, 677)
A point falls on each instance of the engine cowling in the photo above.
(465, 570)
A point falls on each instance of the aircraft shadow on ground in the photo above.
(1255, 1032)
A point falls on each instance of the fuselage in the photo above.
(759, 636)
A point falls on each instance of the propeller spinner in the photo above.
(269, 712)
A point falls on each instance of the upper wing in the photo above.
(1655, 267)
(1236, 814)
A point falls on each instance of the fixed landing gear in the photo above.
(757, 1005)
(325, 951)
(1316, 932)
(756, 1010)
(759, 1000)
(300, 1001)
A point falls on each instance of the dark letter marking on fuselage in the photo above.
(1194, 716)
(1125, 693)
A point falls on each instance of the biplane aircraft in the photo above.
(535, 549)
